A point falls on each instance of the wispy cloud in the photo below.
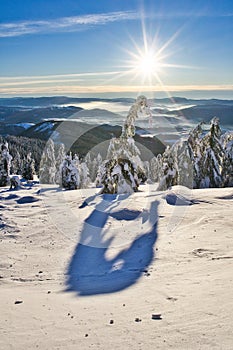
(83, 22)
(95, 89)
(59, 76)
(63, 24)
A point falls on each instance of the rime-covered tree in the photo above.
(204, 160)
(5, 164)
(28, 171)
(184, 164)
(212, 156)
(48, 164)
(93, 163)
(84, 175)
(169, 170)
(123, 170)
(17, 164)
(196, 153)
(118, 176)
(59, 156)
(89, 163)
(147, 170)
(70, 174)
(156, 169)
(227, 164)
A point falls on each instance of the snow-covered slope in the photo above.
(81, 270)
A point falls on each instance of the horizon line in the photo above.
(113, 89)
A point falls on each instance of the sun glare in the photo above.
(148, 64)
(148, 56)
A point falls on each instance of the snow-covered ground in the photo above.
(84, 271)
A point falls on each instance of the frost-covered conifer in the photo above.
(5, 164)
(17, 164)
(227, 164)
(169, 170)
(147, 170)
(48, 164)
(123, 171)
(60, 156)
(196, 153)
(89, 163)
(70, 173)
(118, 176)
(212, 157)
(84, 175)
(183, 163)
(156, 166)
(28, 167)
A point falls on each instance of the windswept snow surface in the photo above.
(80, 270)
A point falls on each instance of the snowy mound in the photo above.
(27, 200)
(173, 198)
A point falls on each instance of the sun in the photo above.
(147, 64)
(147, 59)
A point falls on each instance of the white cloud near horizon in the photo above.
(92, 89)
(63, 24)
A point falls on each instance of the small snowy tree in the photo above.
(5, 164)
(89, 163)
(28, 167)
(227, 164)
(70, 173)
(118, 176)
(48, 164)
(156, 166)
(169, 170)
(60, 156)
(213, 155)
(84, 175)
(17, 164)
(184, 165)
(196, 153)
(147, 170)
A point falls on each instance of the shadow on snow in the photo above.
(90, 272)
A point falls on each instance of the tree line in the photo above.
(204, 159)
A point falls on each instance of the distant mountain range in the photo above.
(41, 117)
(55, 101)
(63, 100)
(205, 112)
(15, 115)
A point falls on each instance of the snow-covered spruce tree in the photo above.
(17, 164)
(89, 163)
(48, 164)
(169, 170)
(227, 164)
(84, 175)
(5, 164)
(83, 171)
(196, 153)
(184, 165)
(212, 157)
(123, 171)
(204, 160)
(156, 167)
(118, 176)
(59, 156)
(147, 170)
(70, 174)
(28, 167)
(93, 162)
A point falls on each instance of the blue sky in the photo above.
(116, 48)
